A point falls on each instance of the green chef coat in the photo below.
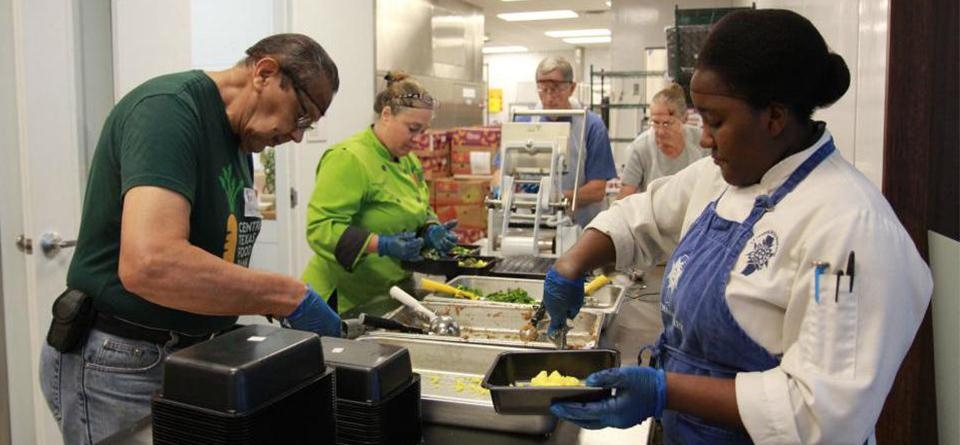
(362, 190)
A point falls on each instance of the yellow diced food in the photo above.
(554, 379)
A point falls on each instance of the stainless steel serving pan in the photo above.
(450, 391)
(499, 325)
(606, 300)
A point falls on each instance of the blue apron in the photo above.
(700, 335)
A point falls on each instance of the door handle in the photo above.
(24, 244)
(52, 243)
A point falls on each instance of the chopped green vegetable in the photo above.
(430, 254)
(518, 296)
(472, 290)
(461, 250)
(472, 262)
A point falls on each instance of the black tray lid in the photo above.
(367, 371)
(243, 369)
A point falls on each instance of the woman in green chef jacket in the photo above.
(370, 207)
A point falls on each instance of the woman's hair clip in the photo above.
(423, 98)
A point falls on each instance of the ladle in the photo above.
(439, 324)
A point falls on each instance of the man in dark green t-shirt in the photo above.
(168, 225)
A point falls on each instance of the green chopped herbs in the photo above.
(518, 296)
(461, 250)
(472, 262)
(472, 290)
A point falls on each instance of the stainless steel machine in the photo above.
(538, 160)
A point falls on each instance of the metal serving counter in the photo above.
(637, 324)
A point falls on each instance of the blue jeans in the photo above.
(103, 387)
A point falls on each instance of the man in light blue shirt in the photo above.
(554, 86)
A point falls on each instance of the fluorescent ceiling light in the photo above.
(578, 33)
(609, 4)
(582, 40)
(504, 49)
(538, 15)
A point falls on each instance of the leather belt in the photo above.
(115, 326)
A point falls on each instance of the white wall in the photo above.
(516, 74)
(221, 30)
(945, 308)
(857, 30)
(12, 262)
(346, 30)
(149, 38)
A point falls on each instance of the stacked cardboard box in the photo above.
(473, 150)
(433, 149)
(463, 200)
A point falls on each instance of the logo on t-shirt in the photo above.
(239, 234)
(764, 247)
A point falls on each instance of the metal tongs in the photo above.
(530, 332)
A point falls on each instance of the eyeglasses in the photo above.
(662, 124)
(303, 122)
(552, 86)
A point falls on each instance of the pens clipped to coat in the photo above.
(850, 260)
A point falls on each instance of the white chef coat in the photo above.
(838, 358)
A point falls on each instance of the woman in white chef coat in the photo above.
(793, 292)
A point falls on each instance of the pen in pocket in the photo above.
(819, 267)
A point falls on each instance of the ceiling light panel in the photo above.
(578, 33)
(504, 49)
(538, 15)
(585, 40)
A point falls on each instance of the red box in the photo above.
(432, 140)
(470, 216)
(450, 191)
(436, 164)
(476, 136)
(468, 236)
(462, 157)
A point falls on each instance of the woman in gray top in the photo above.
(666, 148)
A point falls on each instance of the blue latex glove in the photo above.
(563, 298)
(440, 237)
(403, 246)
(314, 315)
(641, 393)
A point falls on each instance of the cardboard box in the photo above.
(476, 136)
(451, 191)
(432, 140)
(470, 216)
(473, 160)
(436, 164)
(468, 236)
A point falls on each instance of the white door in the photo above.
(45, 149)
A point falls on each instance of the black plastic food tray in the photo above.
(525, 266)
(519, 367)
(450, 267)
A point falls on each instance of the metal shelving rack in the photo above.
(603, 108)
(681, 64)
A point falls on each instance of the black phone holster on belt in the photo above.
(73, 315)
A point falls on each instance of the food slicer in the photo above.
(522, 222)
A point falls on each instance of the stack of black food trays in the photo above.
(256, 385)
(377, 393)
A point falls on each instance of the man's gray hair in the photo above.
(554, 63)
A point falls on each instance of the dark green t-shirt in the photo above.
(171, 132)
